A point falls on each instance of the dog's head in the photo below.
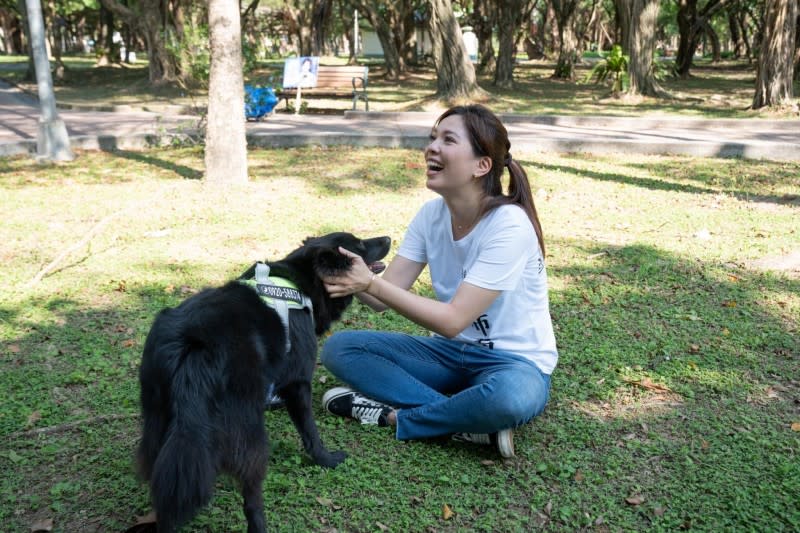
(320, 256)
(329, 261)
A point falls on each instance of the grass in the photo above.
(715, 90)
(674, 405)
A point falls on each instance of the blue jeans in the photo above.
(438, 386)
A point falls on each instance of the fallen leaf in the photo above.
(42, 525)
(129, 343)
(578, 476)
(636, 499)
(34, 417)
(647, 383)
(694, 348)
(487, 462)
(327, 502)
(729, 303)
(382, 527)
(795, 426)
(13, 348)
(323, 379)
(447, 512)
(659, 511)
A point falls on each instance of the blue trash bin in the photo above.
(258, 101)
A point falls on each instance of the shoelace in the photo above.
(477, 438)
(367, 414)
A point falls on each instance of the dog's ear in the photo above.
(330, 262)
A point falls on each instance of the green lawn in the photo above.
(718, 90)
(674, 405)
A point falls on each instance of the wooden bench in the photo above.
(335, 82)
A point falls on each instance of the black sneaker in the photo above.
(342, 401)
(504, 440)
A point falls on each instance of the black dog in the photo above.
(208, 363)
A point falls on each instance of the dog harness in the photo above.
(280, 294)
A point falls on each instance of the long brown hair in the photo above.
(489, 138)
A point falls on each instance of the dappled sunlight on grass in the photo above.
(675, 384)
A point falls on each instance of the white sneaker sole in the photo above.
(505, 443)
(334, 393)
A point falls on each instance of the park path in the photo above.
(126, 128)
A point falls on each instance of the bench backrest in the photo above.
(330, 76)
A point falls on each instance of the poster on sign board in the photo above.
(300, 72)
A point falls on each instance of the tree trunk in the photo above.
(226, 145)
(687, 38)
(711, 34)
(565, 11)
(30, 73)
(320, 22)
(455, 75)
(149, 23)
(391, 56)
(797, 48)
(484, 22)
(644, 16)
(776, 58)
(736, 35)
(509, 14)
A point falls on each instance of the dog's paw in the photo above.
(331, 459)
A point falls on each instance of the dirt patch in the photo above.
(788, 264)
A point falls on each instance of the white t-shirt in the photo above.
(500, 253)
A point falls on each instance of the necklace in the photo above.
(464, 227)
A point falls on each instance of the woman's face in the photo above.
(451, 163)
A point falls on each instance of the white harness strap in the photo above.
(281, 297)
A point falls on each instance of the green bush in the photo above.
(615, 67)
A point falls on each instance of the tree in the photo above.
(565, 11)
(52, 141)
(637, 20)
(510, 15)
(226, 144)
(147, 18)
(455, 75)
(776, 57)
(379, 14)
(692, 24)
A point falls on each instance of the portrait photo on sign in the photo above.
(300, 72)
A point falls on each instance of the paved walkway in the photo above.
(125, 128)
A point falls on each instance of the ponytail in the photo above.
(519, 193)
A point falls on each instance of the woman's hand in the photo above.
(356, 279)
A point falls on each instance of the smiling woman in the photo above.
(487, 367)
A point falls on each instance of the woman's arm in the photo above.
(401, 272)
(445, 318)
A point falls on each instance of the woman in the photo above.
(486, 368)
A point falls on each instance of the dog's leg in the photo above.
(298, 402)
(248, 461)
(254, 504)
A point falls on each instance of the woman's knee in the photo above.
(515, 405)
(338, 345)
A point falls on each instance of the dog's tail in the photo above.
(182, 477)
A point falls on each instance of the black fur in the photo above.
(205, 370)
